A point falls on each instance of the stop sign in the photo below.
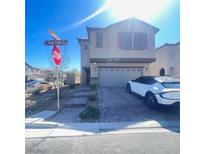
(56, 55)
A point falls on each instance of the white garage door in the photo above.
(118, 76)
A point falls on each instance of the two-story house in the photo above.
(117, 53)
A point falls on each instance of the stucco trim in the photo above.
(124, 60)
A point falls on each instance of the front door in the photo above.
(87, 76)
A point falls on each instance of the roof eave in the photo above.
(82, 40)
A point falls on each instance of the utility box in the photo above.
(70, 79)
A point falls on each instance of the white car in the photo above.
(156, 90)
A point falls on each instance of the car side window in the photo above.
(145, 80)
(140, 80)
(150, 81)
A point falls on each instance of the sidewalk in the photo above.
(38, 126)
(39, 118)
(50, 129)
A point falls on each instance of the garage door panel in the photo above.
(118, 76)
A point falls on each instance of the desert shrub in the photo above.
(92, 97)
(35, 91)
(90, 113)
(72, 86)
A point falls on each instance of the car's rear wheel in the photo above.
(129, 88)
(151, 101)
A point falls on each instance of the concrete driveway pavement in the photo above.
(118, 105)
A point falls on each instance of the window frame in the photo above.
(122, 42)
(141, 40)
(125, 40)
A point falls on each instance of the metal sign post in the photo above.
(58, 91)
(56, 56)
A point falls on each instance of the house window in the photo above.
(132, 41)
(140, 41)
(125, 40)
(99, 40)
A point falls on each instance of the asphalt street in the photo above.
(135, 143)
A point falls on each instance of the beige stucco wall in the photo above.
(110, 42)
(167, 57)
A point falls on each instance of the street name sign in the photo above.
(55, 42)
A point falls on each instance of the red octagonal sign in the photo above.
(56, 55)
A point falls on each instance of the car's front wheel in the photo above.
(151, 100)
(129, 88)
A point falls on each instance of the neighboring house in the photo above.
(37, 73)
(167, 61)
(43, 74)
(117, 53)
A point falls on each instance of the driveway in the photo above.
(117, 105)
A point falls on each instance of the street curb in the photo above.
(59, 132)
(44, 129)
(104, 126)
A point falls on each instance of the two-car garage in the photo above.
(118, 76)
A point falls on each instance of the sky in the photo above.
(68, 19)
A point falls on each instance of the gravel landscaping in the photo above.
(46, 100)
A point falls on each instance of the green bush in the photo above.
(90, 113)
(35, 91)
(93, 86)
(92, 97)
(72, 86)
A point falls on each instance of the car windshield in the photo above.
(166, 79)
(168, 82)
(171, 84)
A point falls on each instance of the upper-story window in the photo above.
(140, 41)
(125, 40)
(132, 41)
(99, 40)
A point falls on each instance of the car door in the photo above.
(140, 86)
(137, 85)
